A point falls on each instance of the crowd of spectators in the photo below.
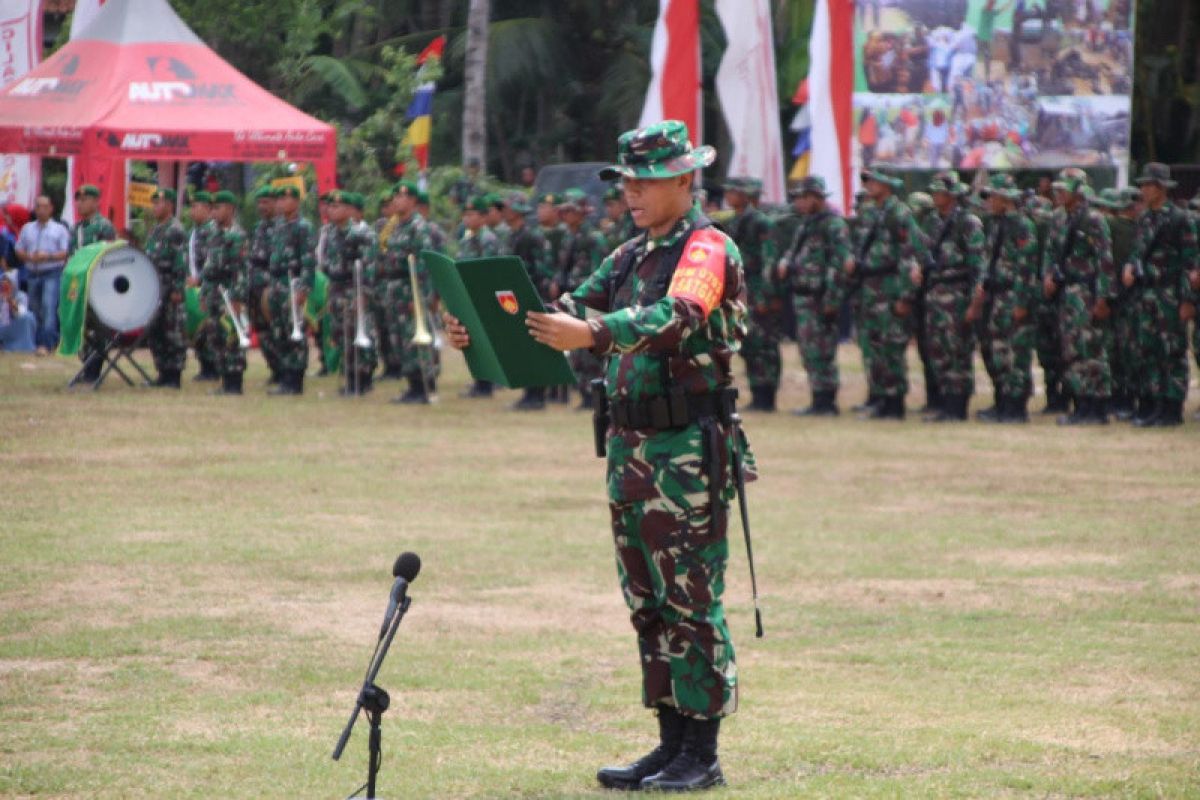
(33, 252)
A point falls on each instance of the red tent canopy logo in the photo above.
(173, 81)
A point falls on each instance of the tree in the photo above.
(474, 136)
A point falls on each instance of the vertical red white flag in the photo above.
(749, 95)
(831, 96)
(675, 90)
(20, 51)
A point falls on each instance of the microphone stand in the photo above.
(374, 700)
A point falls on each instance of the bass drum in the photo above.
(124, 292)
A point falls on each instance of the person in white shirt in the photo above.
(42, 245)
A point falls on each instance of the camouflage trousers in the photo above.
(1128, 373)
(1085, 362)
(167, 337)
(818, 340)
(860, 335)
(949, 338)
(258, 321)
(217, 337)
(887, 336)
(760, 348)
(293, 356)
(671, 557)
(1049, 344)
(1196, 342)
(343, 328)
(1010, 349)
(393, 312)
(588, 367)
(1161, 338)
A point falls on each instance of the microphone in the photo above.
(405, 570)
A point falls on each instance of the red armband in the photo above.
(700, 274)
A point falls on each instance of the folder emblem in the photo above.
(508, 301)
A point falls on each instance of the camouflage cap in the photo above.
(406, 189)
(812, 184)
(550, 199)
(225, 196)
(883, 174)
(947, 181)
(1110, 199)
(920, 201)
(264, 193)
(613, 192)
(164, 194)
(335, 196)
(386, 195)
(1072, 180)
(574, 200)
(1130, 195)
(662, 150)
(423, 197)
(1154, 172)
(87, 190)
(1001, 184)
(519, 203)
(477, 203)
(357, 200)
(751, 186)
(200, 197)
(288, 191)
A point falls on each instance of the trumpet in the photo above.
(297, 331)
(421, 335)
(361, 339)
(239, 324)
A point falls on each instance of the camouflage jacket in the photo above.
(1122, 230)
(956, 250)
(1174, 252)
(260, 245)
(92, 230)
(528, 244)
(1089, 261)
(293, 251)
(688, 337)
(579, 256)
(478, 244)
(199, 241)
(227, 260)
(437, 237)
(889, 243)
(751, 232)
(619, 232)
(817, 256)
(166, 246)
(1012, 268)
(353, 241)
(502, 232)
(397, 241)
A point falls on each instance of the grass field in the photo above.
(191, 585)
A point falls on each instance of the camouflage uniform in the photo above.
(751, 232)
(394, 309)
(1047, 341)
(260, 278)
(815, 263)
(83, 233)
(1120, 331)
(1164, 250)
(200, 240)
(292, 257)
(923, 212)
(1079, 259)
(1010, 282)
(166, 246)
(225, 268)
(954, 267)
(580, 255)
(478, 244)
(891, 241)
(348, 244)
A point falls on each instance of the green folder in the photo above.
(491, 296)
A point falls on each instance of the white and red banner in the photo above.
(749, 95)
(20, 51)
(675, 90)
(831, 99)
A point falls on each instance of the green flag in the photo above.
(73, 295)
(191, 304)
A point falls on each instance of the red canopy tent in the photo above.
(139, 84)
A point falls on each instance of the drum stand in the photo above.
(109, 352)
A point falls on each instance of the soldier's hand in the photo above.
(193, 282)
(1127, 277)
(1020, 313)
(559, 331)
(918, 277)
(850, 266)
(830, 312)
(456, 333)
(1194, 279)
(1049, 287)
(1187, 311)
(975, 310)
(902, 308)
(1101, 311)
(781, 269)
(176, 297)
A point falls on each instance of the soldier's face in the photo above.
(162, 209)
(615, 209)
(224, 213)
(996, 204)
(547, 215)
(266, 207)
(472, 219)
(404, 204)
(338, 213)
(573, 217)
(655, 202)
(878, 190)
(199, 213)
(86, 205)
(943, 202)
(1153, 195)
(1062, 198)
(289, 205)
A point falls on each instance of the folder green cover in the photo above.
(491, 296)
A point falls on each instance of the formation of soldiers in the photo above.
(1100, 286)
(379, 302)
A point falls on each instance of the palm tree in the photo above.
(474, 139)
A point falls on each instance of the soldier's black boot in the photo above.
(1170, 413)
(670, 741)
(933, 398)
(415, 395)
(391, 374)
(1122, 407)
(1148, 412)
(889, 408)
(823, 405)
(274, 379)
(1082, 414)
(1056, 400)
(1099, 411)
(231, 383)
(990, 414)
(762, 399)
(167, 379)
(208, 371)
(534, 399)
(696, 767)
(479, 390)
(867, 406)
(1014, 410)
(366, 382)
(585, 397)
(291, 382)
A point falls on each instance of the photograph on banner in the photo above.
(993, 83)
(1058, 47)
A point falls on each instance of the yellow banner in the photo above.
(295, 180)
(140, 194)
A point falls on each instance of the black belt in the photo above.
(881, 272)
(678, 410)
(808, 292)
(935, 279)
(1157, 283)
(340, 281)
